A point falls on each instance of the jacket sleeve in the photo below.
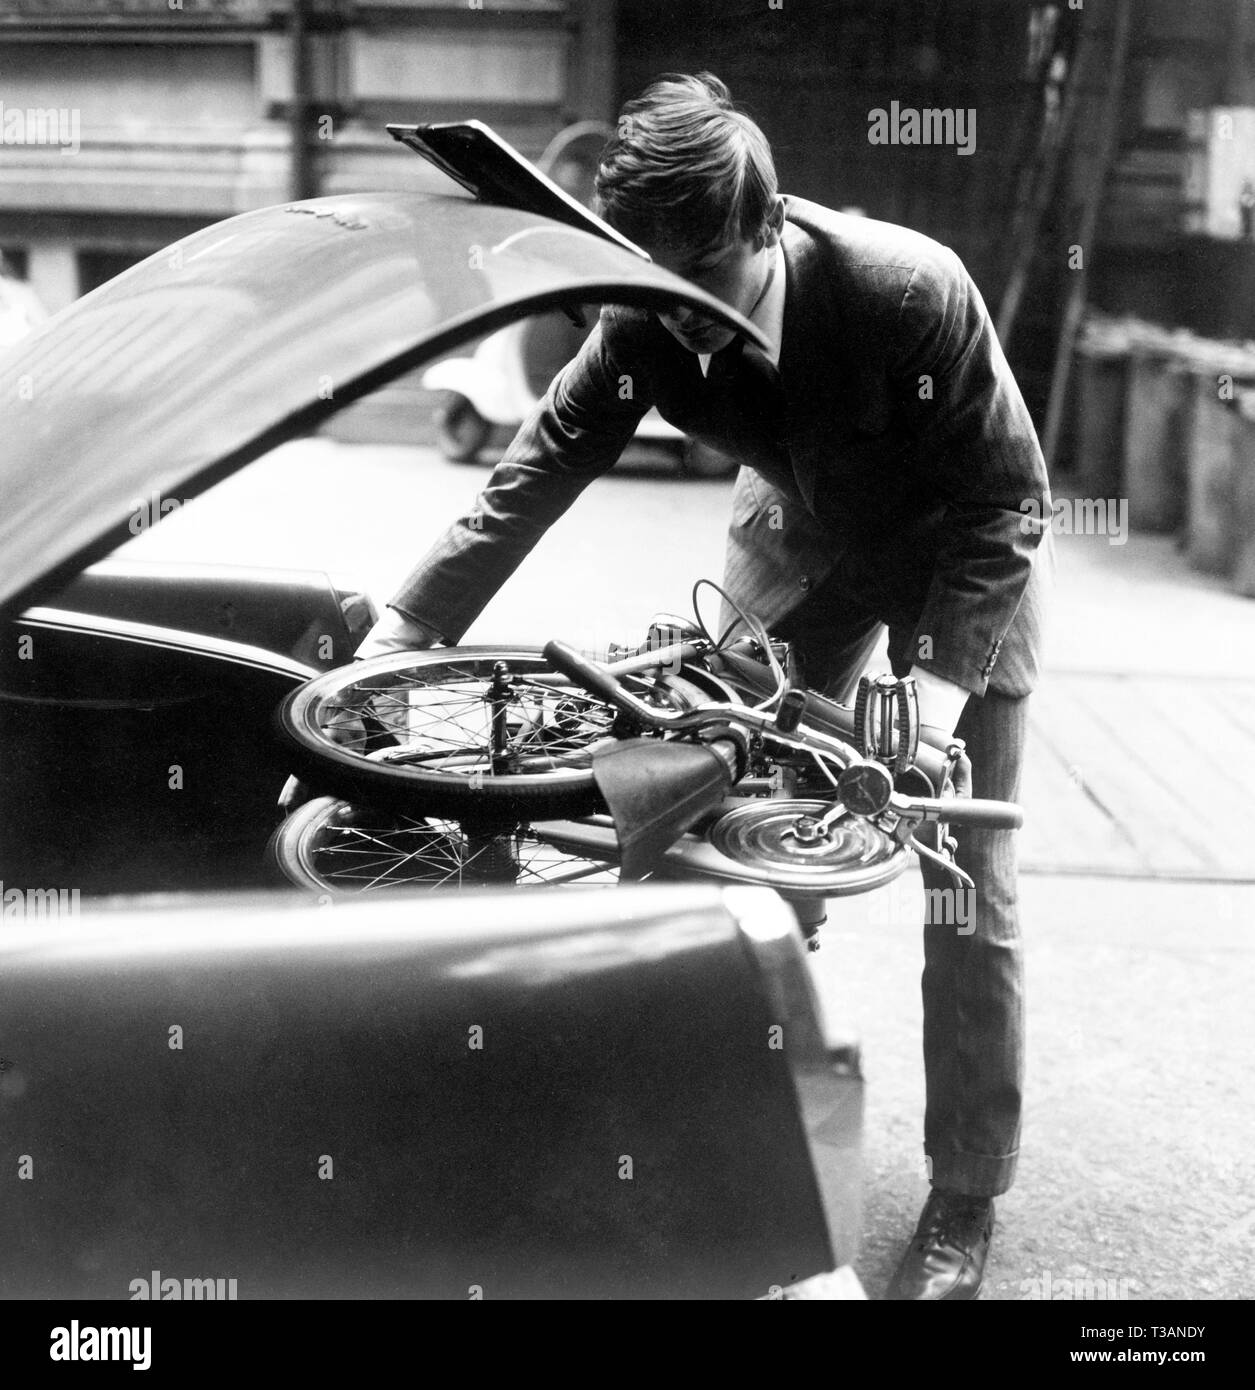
(574, 434)
(980, 458)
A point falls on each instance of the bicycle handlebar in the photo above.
(597, 680)
(600, 681)
(960, 810)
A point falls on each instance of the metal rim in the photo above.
(358, 731)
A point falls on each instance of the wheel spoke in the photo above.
(426, 730)
(401, 852)
(447, 728)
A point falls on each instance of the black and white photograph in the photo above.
(627, 662)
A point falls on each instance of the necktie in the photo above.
(743, 364)
(748, 396)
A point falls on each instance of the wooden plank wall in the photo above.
(811, 72)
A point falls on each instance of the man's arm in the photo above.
(575, 433)
(980, 455)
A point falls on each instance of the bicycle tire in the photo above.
(331, 847)
(548, 774)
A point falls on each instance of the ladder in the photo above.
(1097, 67)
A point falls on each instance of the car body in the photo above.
(138, 758)
(145, 392)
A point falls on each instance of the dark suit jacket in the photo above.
(905, 453)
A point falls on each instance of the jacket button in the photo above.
(804, 582)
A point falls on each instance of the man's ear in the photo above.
(773, 227)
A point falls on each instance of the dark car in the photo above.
(150, 693)
(248, 1088)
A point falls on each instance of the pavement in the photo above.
(1137, 898)
(1137, 1169)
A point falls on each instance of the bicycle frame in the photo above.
(750, 677)
(756, 816)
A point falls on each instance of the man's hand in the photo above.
(943, 739)
(961, 776)
(343, 731)
(394, 632)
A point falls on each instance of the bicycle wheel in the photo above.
(330, 846)
(493, 730)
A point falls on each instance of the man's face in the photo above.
(734, 271)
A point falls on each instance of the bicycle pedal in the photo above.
(886, 720)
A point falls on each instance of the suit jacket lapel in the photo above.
(832, 387)
(802, 356)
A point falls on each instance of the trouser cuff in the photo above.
(975, 1175)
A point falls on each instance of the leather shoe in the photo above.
(946, 1257)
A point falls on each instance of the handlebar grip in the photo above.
(980, 815)
(584, 672)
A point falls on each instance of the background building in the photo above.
(185, 111)
(188, 111)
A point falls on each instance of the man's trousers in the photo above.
(973, 974)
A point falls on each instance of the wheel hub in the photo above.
(784, 844)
